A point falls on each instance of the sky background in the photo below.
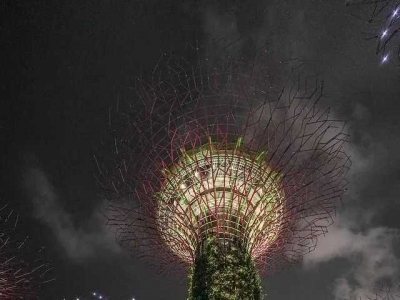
(63, 65)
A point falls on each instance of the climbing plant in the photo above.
(223, 272)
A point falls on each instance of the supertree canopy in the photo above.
(383, 16)
(22, 272)
(226, 169)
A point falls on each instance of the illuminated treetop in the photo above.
(240, 152)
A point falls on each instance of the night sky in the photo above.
(65, 62)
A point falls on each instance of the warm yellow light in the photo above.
(229, 193)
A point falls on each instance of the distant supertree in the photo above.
(223, 169)
(21, 272)
(384, 18)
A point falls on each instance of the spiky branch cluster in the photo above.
(21, 272)
(384, 16)
(189, 118)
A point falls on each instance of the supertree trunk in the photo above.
(223, 272)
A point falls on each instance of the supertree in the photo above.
(225, 168)
(21, 272)
(384, 18)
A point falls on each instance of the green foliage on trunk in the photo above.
(223, 273)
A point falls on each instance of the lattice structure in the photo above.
(19, 278)
(239, 151)
(384, 19)
(223, 189)
(381, 293)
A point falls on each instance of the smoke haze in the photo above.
(79, 242)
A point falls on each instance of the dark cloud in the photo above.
(65, 63)
(369, 246)
(371, 255)
(80, 243)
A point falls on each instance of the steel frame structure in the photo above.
(237, 149)
(387, 292)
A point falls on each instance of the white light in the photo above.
(395, 12)
(385, 58)
(94, 294)
(100, 297)
(384, 33)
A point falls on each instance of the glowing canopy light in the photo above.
(222, 190)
